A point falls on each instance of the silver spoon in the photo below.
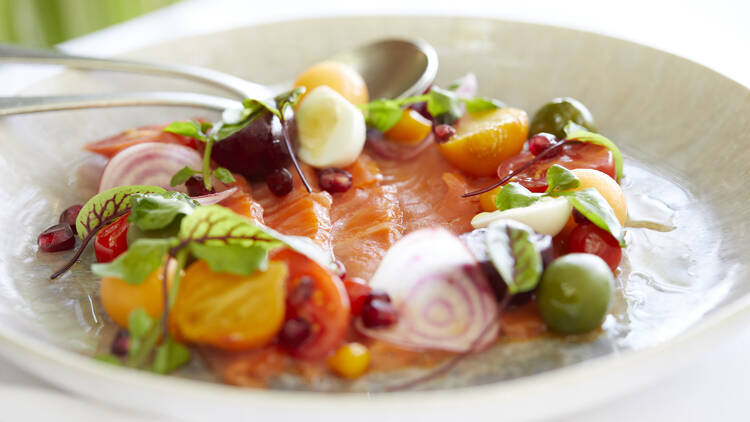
(391, 68)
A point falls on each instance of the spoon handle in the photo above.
(23, 105)
(233, 84)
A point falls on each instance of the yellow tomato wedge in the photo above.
(607, 187)
(411, 129)
(228, 311)
(484, 140)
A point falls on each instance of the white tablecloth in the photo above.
(714, 33)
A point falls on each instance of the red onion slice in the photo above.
(149, 163)
(215, 198)
(443, 299)
(389, 150)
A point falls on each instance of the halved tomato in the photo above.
(110, 146)
(325, 305)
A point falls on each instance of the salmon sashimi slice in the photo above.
(429, 192)
(298, 213)
(242, 202)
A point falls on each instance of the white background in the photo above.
(714, 33)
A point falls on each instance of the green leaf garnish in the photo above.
(98, 210)
(191, 128)
(223, 175)
(383, 114)
(477, 104)
(235, 259)
(215, 225)
(514, 255)
(579, 133)
(560, 179)
(182, 176)
(109, 359)
(153, 211)
(596, 209)
(289, 98)
(135, 264)
(444, 103)
(139, 323)
(169, 356)
(514, 195)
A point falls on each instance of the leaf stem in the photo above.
(288, 143)
(207, 180)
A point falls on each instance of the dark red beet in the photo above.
(294, 333)
(69, 216)
(195, 186)
(280, 182)
(335, 180)
(378, 313)
(443, 133)
(57, 238)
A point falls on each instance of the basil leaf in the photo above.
(134, 265)
(139, 323)
(97, 210)
(216, 225)
(169, 356)
(224, 175)
(153, 211)
(190, 129)
(289, 98)
(514, 255)
(579, 133)
(560, 179)
(182, 176)
(444, 103)
(596, 209)
(477, 104)
(235, 259)
(382, 114)
(514, 195)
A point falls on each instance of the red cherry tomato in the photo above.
(155, 133)
(588, 238)
(326, 308)
(574, 155)
(357, 289)
(112, 240)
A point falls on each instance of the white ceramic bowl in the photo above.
(683, 120)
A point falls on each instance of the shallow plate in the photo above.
(675, 120)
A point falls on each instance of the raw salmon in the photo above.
(242, 201)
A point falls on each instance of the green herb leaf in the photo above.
(190, 129)
(596, 209)
(382, 114)
(134, 265)
(560, 179)
(578, 132)
(223, 175)
(514, 195)
(289, 98)
(477, 104)
(444, 103)
(169, 356)
(182, 176)
(108, 358)
(153, 211)
(514, 255)
(104, 205)
(235, 259)
(215, 225)
(139, 323)
(144, 333)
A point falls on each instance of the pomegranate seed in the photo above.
(280, 182)
(443, 133)
(379, 295)
(294, 332)
(69, 216)
(579, 218)
(378, 313)
(57, 238)
(302, 291)
(121, 344)
(335, 180)
(540, 142)
(195, 186)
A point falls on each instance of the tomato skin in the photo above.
(573, 155)
(357, 290)
(327, 309)
(111, 145)
(588, 238)
(112, 240)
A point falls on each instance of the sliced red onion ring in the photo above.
(215, 198)
(390, 150)
(468, 86)
(149, 163)
(443, 299)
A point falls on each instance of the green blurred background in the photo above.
(44, 23)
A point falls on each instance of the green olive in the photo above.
(575, 293)
(553, 116)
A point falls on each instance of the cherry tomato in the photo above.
(588, 238)
(112, 240)
(110, 146)
(357, 289)
(575, 155)
(325, 308)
